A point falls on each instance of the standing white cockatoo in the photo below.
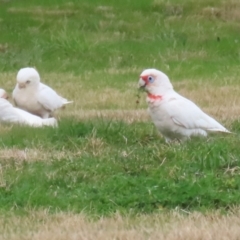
(35, 97)
(10, 114)
(174, 116)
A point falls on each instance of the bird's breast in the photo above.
(27, 102)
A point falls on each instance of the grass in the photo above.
(106, 159)
(174, 225)
(109, 166)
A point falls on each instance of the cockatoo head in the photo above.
(28, 77)
(3, 94)
(154, 81)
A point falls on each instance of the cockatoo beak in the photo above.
(143, 81)
(21, 85)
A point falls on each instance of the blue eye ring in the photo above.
(150, 79)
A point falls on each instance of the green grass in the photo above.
(81, 36)
(86, 49)
(140, 175)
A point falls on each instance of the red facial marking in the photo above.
(145, 79)
(154, 97)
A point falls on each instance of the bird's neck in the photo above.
(158, 94)
(154, 97)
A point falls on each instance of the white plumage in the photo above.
(174, 116)
(35, 97)
(10, 114)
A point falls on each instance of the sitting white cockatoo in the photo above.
(35, 97)
(176, 117)
(10, 114)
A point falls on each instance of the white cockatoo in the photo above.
(35, 97)
(10, 114)
(3, 94)
(176, 117)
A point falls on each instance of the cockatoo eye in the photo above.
(150, 79)
(28, 81)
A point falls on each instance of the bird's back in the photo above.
(178, 117)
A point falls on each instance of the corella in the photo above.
(10, 114)
(35, 97)
(176, 117)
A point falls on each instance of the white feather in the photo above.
(49, 99)
(10, 114)
(175, 116)
(35, 97)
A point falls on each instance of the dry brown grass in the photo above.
(37, 154)
(93, 144)
(128, 116)
(221, 101)
(227, 10)
(42, 225)
(43, 11)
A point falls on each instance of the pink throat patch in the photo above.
(154, 97)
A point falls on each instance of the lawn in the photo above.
(106, 167)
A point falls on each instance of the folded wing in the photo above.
(188, 115)
(49, 99)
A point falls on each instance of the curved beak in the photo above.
(21, 85)
(142, 81)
